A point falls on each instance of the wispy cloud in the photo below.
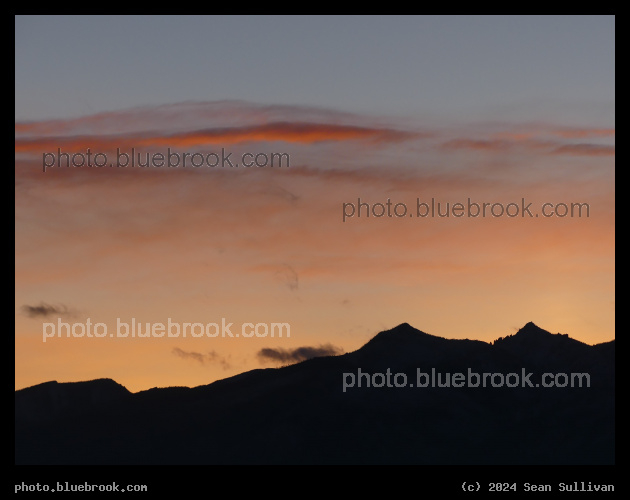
(544, 147)
(288, 276)
(209, 357)
(585, 150)
(43, 310)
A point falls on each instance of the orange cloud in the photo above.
(585, 150)
(304, 133)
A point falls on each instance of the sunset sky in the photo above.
(495, 109)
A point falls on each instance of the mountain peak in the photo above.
(531, 328)
(532, 338)
(402, 331)
(400, 337)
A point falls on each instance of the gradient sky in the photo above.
(489, 108)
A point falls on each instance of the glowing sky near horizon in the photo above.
(493, 109)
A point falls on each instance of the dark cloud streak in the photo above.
(210, 357)
(44, 310)
(298, 354)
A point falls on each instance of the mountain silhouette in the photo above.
(304, 414)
